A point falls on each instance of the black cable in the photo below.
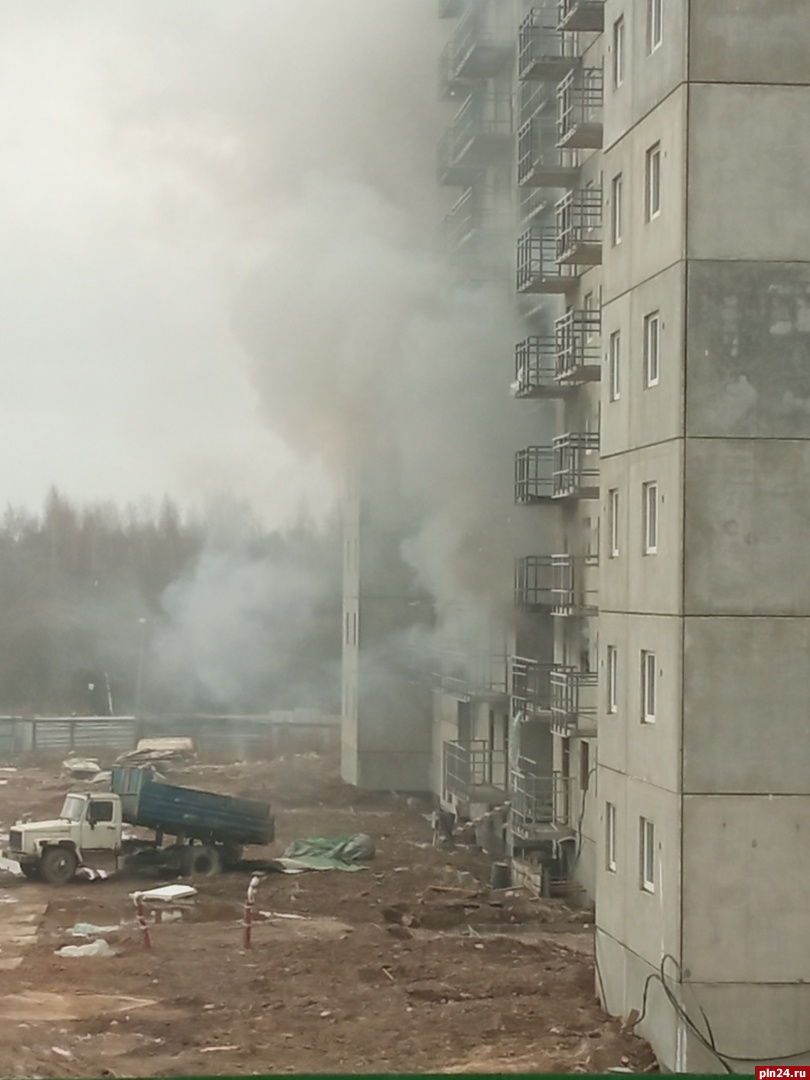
(660, 977)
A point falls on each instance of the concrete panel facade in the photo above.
(746, 689)
(730, 41)
(748, 348)
(745, 911)
(631, 580)
(645, 414)
(744, 189)
(650, 77)
(746, 524)
(647, 246)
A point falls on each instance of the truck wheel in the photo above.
(58, 865)
(201, 862)
(31, 872)
(231, 855)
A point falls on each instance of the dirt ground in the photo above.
(404, 966)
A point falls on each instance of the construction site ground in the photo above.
(412, 964)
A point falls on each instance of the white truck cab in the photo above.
(88, 830)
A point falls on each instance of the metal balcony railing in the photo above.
(469, 673)
(578, 347)
(480, 135)
(579, 227)
(533, 583)
(452, 169)
(585, 16)
(531, 688)
(540, 163)
(536, 368)
(580, 97)
(573, 701)
(540, 801)
(451, 85)
(544, 54)
(480, 50)
(474, 772)
(537, 100)
(576, 465)
(533, 204)
(470, 216)
(573, 585)
(534, 475)
(538, 270)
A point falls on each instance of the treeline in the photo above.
(108, 609)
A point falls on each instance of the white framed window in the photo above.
(646, 852)
(615, 363)
(652, 182)
(655, 24)
(618, 51)
(649, 687)
(613, 522)
(649, 517)
(652, 345)
(616, 189)
(612, 679)
(610, 836)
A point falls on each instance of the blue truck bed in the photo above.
(196, 815)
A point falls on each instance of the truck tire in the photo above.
(58, 865)
(201, 861)
(231, 855)
(31, 872)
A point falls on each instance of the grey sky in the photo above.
(149, 150)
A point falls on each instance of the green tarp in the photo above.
(330, 853)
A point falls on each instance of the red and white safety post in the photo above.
(138, 901)
(250, 900)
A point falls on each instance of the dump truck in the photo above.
(208, 832)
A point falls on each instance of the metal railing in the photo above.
(573, 701)
(480, 51)
(576, 465)
(469, 673)
(538, 270)
(533, 583)
(473, 769)
(573, 589)
(543, 52)
(533, 203)
(531, 687)
(578, 346)
(580, 97)
(470, 215)
(585, 16)
(540, 163)
(534, 474)
(579, 227)
(535, 367)
(539, 799)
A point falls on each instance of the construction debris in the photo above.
(161, 753)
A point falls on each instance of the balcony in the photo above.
(540, 163)
(534, 475)
(468, 674)
(583, 16)
(579, 228)
(580, 97)
(479, 50)
(533, 205)
(531, 688)
(573, 702)
(576, 465)
(533, 583)
(474, 772)
(573, 585)
(536, 369)
(471, 217)
(542, 49)
(578, 347)
(541, 804)
(450, 84)
(480, 135)
(538, 270)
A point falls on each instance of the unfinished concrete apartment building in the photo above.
(647, 715)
